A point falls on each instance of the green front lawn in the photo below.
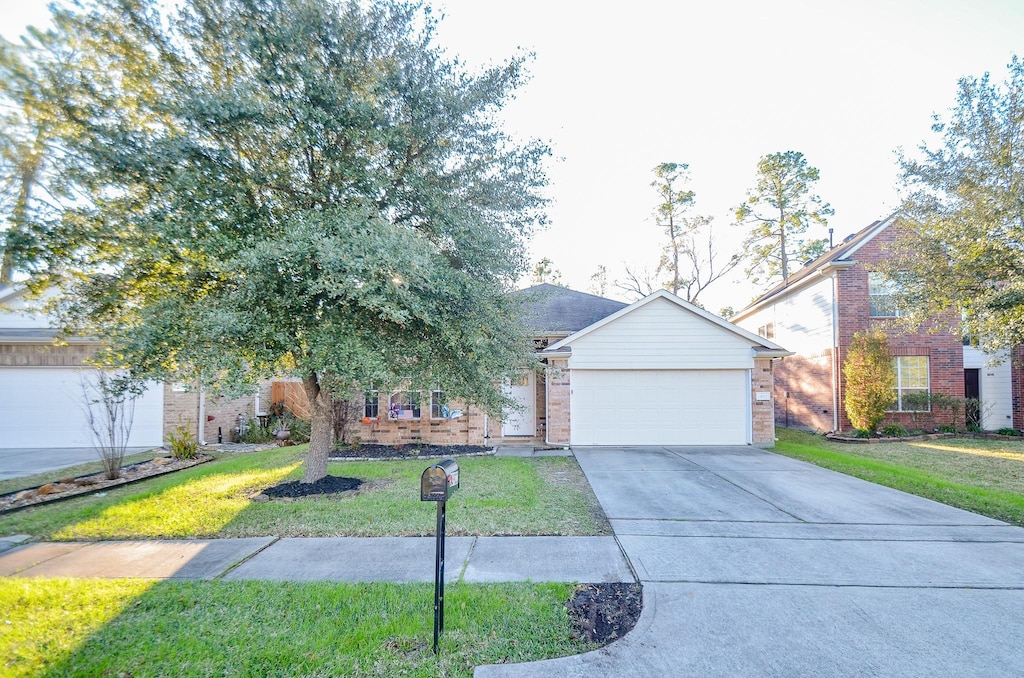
(983, 476)
(499, 496)
(61, 627)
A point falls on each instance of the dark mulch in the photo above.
(374, 451)
(326, 485)
(601, 613)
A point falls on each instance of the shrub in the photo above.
(1008, 432)
(974, 428)
(894, 431)
(183, 442)
(861, 433)
(870, 379)
(255, 434)
(300, 429)
(947, 428)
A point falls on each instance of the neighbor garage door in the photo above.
(43, 407)
(659, 407)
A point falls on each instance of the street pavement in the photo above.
(754, 564)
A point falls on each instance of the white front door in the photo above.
(521, 421)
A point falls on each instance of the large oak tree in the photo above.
(963, 216)
(246, 188)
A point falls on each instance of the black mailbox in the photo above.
(439, 481)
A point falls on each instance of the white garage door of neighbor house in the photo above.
(660, 407)
(44, 407)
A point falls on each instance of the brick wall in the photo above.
(465, 430)
(182, 407)
(943, 348)
(1017, 386)
(558, 416)
(803, 392)
(762, 411)
(45, 355)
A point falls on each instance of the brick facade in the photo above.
(803, 392)
(220, 414)
(45, 354)
(943, 348)
(559, 421)
(762, 411)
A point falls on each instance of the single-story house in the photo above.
(656, 372)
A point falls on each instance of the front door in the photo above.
(972, 391)
(522, 420)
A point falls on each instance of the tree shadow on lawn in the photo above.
(271, 628)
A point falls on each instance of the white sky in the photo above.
(618, 88)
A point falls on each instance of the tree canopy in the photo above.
(963, 216)
(778, 210)
(246, 188)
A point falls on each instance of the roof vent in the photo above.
(850, 237)
(808, 263)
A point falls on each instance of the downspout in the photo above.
(201, 432)
(547, 408)
(835, 354)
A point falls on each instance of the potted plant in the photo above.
(282, 429)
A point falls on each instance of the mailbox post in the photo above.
(437, 484)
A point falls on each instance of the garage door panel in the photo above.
(659, 407)
(44, 407)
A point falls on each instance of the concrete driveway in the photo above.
(27, 461)
(754, 564)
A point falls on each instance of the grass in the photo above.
(24, 482)
(982, 476)
(61, 627)
(499, 496)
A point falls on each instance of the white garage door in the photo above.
(660, 407)
(44, 407)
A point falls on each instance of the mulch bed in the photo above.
(602, 613)
(326, 485)
(409, 451)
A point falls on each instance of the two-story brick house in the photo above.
(818, 310)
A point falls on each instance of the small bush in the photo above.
(1008, 432)
(861, 433)
(974, 428)
(300, 429)
(255, 434)
(947, 428)
(894, 431)
(183, 442)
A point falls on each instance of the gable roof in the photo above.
(552, 309)
(840, 256)
(762, 346)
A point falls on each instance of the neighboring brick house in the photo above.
(819, 309)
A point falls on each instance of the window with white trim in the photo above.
(404, 405)
(438, 404)
(371, 404)
(911, 377)
(881, 296)
(767, 331)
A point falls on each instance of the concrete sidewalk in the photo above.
(349, 559)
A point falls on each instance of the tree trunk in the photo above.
(322, 429)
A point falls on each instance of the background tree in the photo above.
(599, 281)
(963, 214)
(674, 201)
(544, 271)
(779, 209)
(700, 260)
(258, 187)
(870, 379)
